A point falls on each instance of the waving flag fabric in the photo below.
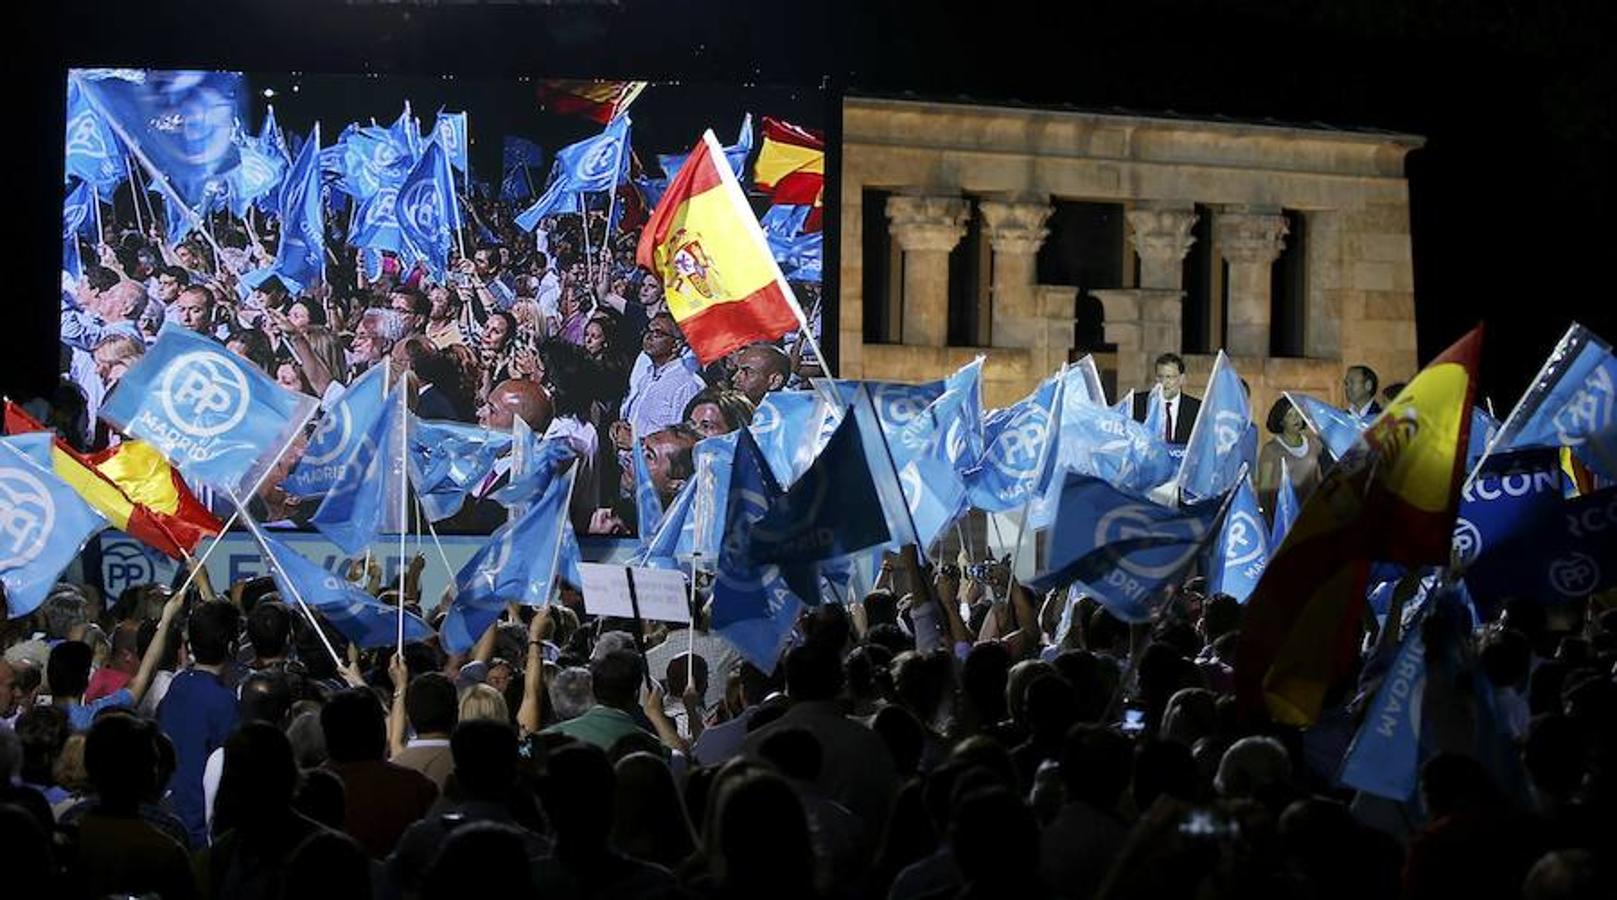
(361, 618)
(592, 165)
(598, 101)
(448, 460)
(1337, 429)
(1214, 460)
(427, 211)
(791, 163)
(449, 132)
(1572, 403)
(44, 523)
(753, 609)
(215, 416)
(91, 152)
(736, 154)
(1286, 508)
(300, 260)
(703, 241)
(363, 501)
(1242, 548)
(253, 179)
(1393, 498)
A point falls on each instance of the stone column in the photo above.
(1161, 236)
(1250, 240)
(926, 229)
(1015, 230)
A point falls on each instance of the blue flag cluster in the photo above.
(361, 618)
(212, 414)
(753, 608)
(592, 165)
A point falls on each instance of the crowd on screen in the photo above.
(560, 329)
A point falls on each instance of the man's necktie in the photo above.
(1167, 421)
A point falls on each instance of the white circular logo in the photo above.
(84, 138)
(73, 216)
(766, 420)
(331, 434)
(598, 162)
(910, 481)
(422, 208)
(1133, 522)
(1575, 575)
(1243, 539)
(1016, 451)
(1227, 429)
(897, 404)
(447, 137)
(27, 516)
(381, 210)
(124, 564)
(1467, 541)
(204, 394)
(256, 172)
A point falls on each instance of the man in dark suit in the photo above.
(1360, 385)
(1179, 407)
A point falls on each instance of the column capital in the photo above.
(1016, 227)
(1161, 233)
(926, 223)
(1247, 235)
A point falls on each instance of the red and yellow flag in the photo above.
(703, 240)
(791, 164)
(598, 101)
(133, 486)
(1392, 499)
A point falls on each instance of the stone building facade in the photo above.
(939, 170)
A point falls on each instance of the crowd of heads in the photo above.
(950, 734)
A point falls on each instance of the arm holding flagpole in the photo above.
(531, 713)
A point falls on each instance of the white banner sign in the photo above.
(661, 592)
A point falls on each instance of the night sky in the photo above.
(1511, 198)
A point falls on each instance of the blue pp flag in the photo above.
(449, 132)
(535, 464)
(44, 523)
(1108, 444)
(1156, 411)
(1242, 548)
(1016, 441)
(784, 220)
(448, 460)
(364, 620)
(519, 157)
(1213, 459)
(180, 122)
(519, 564)
(736, 154)
(300, 260)
(364, 160)
(1338, 429)
(211, 413)
(703, 531)
(648, 505)
(91, 151)
(753, 608)
(427, 211)
(78, 213)
(1572, 403)
(271, 139)
(254, 178)
(375, 224)
(1125, 404)
(833, 510)
(1286, 508)
(363, 501)
(405, 132)
(787, 428)
(1384, 758)
(338, 435)
(596, 164)
(1124, 549)
(800, 258)
(559, 197)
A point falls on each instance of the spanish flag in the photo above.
(721, 282)
(1392, 498)
(598, 101)
(791, 164)
(133, 486)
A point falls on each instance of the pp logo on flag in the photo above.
(422, 207)
(910, 481)
(73, 215)
(332, 433)
(1588, 411)
(446, 136)
(381, 211)
(1467, 541)
(1574, 575)
(1227, 429)
(597, 163)
(204, 394)
(1015, 453)
(765, 421)
(84, 138)
(1134, 522)
(1242, 546)
(26, 517)
(897, 405)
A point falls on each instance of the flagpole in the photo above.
(561, 536)
(134, 196)
(448, 569)
(1504, 427)
(612, 192)
(262, 477)
(887, 453)
(263, 549)
(100, 233)
(404, 502)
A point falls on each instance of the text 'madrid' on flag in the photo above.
(211, 413)
(1393, 498)
(43, 522)
(339, 431)
(722, 284)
